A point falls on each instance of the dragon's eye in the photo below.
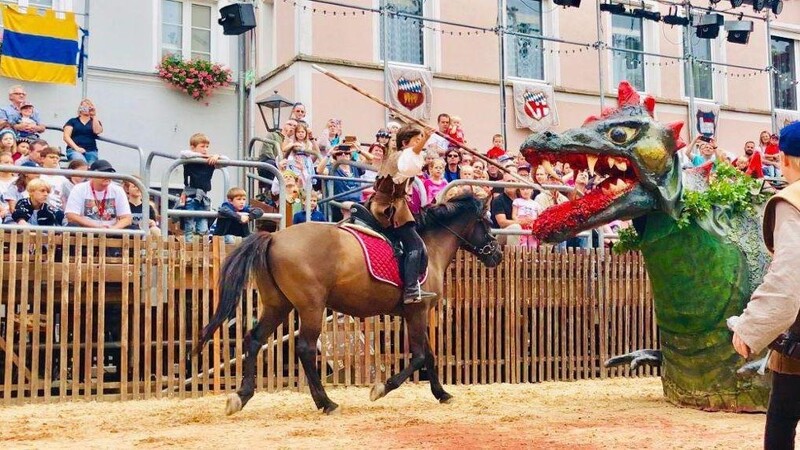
(621, 135)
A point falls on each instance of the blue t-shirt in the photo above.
(83, 135)
(12, 114)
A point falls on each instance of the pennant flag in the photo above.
(534, 106)
(411, 91)
(39, 47)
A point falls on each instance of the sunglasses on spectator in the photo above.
(453, 155)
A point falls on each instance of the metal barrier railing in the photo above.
(166, 212)
(138, 149)
(226, 182)
(143, 224)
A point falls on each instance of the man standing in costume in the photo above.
(390, 207)
(774, 306)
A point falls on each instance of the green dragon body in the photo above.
(702, 269)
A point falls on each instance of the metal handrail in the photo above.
(503, 184)
(226, 182)
(143, 224)
(115, 142)
(165, 211)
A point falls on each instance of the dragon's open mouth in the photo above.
(620, 178)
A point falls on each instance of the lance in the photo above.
(425, 126)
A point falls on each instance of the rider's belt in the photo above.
(785, 357)
(387, 186)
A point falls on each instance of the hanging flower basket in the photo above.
(197, 78)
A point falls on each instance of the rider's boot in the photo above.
(412, 292)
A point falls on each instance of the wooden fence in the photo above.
(93, 317)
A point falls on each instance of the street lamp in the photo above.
(274, 102)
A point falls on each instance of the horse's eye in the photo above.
(621, 135)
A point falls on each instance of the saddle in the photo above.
(360, 215)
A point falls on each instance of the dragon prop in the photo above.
(701, 272)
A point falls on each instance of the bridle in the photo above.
(486, 250)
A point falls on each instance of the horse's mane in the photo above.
(434, 216)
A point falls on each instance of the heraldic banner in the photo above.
(411, 91)
(534, 106)
(38, 47)
(707, 117)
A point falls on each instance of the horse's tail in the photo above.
(250, 255)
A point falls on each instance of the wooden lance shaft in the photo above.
(426, 126)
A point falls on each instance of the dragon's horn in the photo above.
(675, 128)
(650, 105)
(627, 95)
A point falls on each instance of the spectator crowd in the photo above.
(306, 160)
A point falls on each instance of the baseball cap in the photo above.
(26, 105)
(101, 165)
(789, 141)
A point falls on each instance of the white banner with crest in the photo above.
(534, 106)
(411, 91)
(706, 118)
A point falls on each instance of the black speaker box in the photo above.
(237, 18)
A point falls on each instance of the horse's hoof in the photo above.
(332, 410)
(446, 399)
(233, 405)
(378, 390)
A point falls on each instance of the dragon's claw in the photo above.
(647, 357)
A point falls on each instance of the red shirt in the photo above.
(495, 152)
(771, 149)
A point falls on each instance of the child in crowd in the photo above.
(525, 206)
(6, 180)
(34, 209)
(234, 215)
(18, 189)
(71, 181)
(455, 132)
(316, 214)
(299, 154)
(135, 201)
(51, 157)
(772, 157)
(430, 157)
(26, 117)
(8, 142)
(436, 183)
(497, 149)
(197, 184)
(23, 148)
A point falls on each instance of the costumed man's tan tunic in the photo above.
(389, 204)
(774, 306)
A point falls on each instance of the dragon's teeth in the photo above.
(612, 162)
(591, 161)
(622, 165)
(620, 185)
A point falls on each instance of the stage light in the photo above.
(758, 5)
(613, 8)
(776, 6)
(655, 16)
(566, 3)
(672, 18)
(736, 3)
(739, 31)
(708, 26)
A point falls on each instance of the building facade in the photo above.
(465, 62)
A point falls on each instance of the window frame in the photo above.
(428, 44)
(214, 53)
(795, 38)
(545, 7)
(611, 60)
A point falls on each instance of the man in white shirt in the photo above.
(99, 203)
(435, 141)
(390, 207)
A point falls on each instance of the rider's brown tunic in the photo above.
(389, 204)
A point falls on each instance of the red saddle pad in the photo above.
(379, 258)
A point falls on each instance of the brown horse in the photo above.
(313, 266)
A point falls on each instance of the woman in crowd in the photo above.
(331, 136)
(81, 132)
(299, 153)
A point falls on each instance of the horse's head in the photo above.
(464, 217)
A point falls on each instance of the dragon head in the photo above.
(636, 155)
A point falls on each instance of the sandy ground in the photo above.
(618, 413)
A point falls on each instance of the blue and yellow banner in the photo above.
(39, 46)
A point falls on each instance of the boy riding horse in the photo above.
(390, 207)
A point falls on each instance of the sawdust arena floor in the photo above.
(616, 413)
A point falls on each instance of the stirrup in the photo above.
(417, 295)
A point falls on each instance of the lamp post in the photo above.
(275, 103)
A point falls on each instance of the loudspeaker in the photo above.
(708, 25)
(739, 31)
(237, 18)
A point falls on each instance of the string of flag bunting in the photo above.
(472, 30)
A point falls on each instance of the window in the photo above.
(627, 33)
(703, 76)
(404, 34)
(524, 56)
(185, 29)
(783, 60)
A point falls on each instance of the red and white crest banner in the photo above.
(534, 106)
(411, 91)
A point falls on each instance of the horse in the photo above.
(314, 266)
